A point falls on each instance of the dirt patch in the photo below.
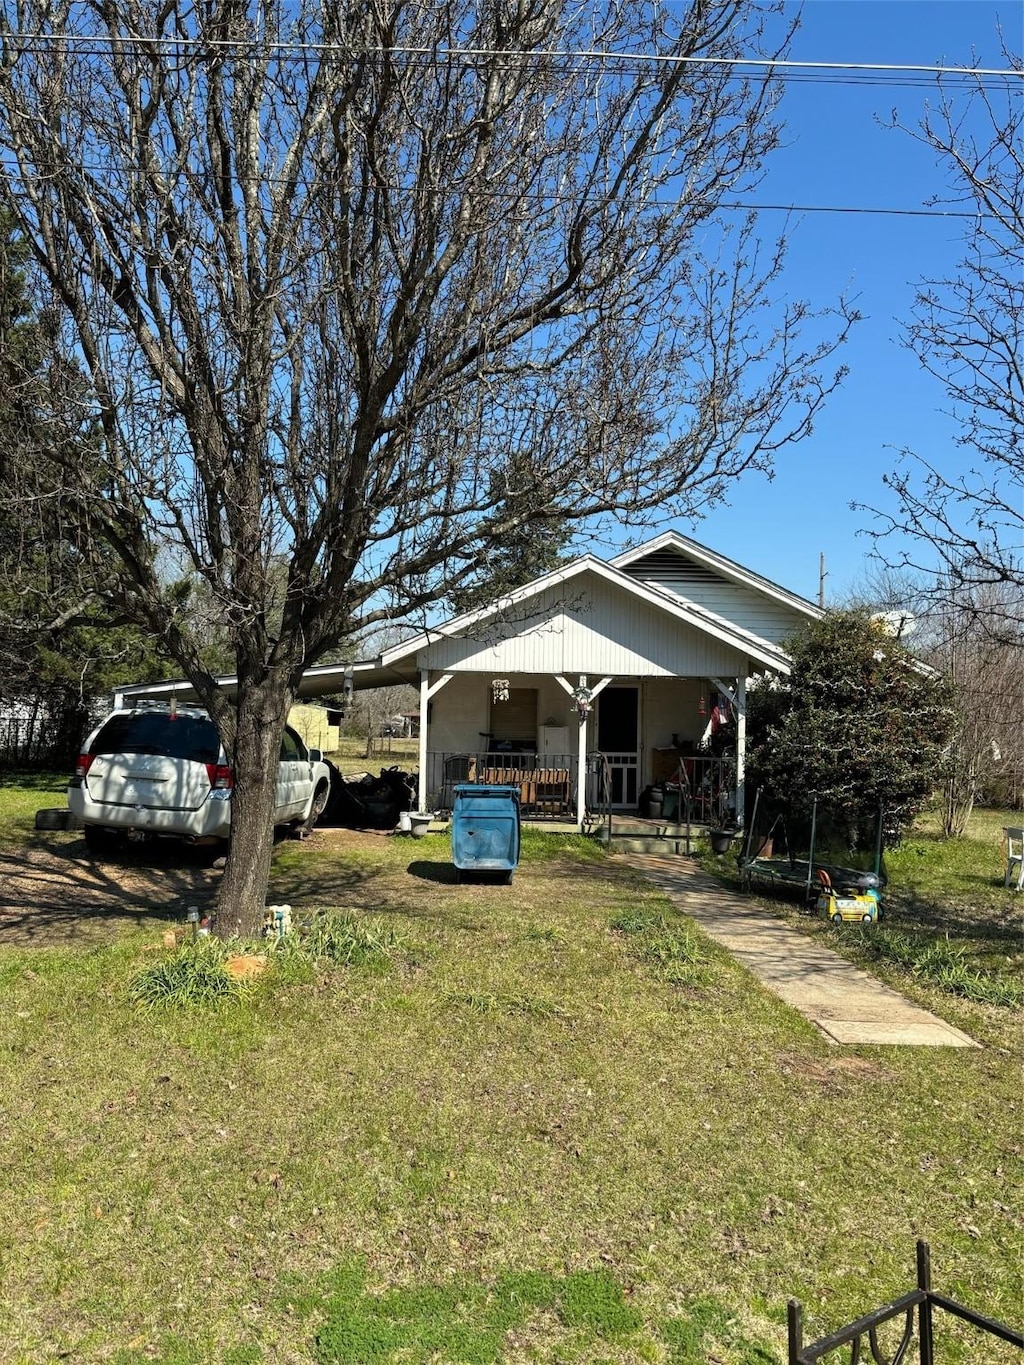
(832, 1072)
(54, 892)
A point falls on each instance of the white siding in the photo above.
(586, 626)
(744, 606)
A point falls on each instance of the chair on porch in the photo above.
(1014, 858)
(456, 770)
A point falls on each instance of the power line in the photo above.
(439, 55)
(556, 200)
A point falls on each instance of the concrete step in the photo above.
(648, 836)
(664, 844)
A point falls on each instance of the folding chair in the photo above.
(1014, 858)
(456, 769)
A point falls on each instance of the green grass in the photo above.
(22, 794)
(532, 1124)
(950, 927)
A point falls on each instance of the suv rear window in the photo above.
(152, 732)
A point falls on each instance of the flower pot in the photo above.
(419, 822)
(721, 840)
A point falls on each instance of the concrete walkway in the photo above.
(849, 1006)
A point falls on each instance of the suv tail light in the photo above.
(221, 777)
(82, 764)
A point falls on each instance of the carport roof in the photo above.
(324, 680)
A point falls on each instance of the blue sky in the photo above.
(837, 154)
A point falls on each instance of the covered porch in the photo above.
(578, 748)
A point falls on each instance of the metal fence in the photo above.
(862, 1335)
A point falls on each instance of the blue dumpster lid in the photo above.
(482, 789)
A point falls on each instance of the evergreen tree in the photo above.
(859, 724)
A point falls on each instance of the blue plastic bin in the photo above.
(485, 829)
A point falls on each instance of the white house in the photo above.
(592, 682)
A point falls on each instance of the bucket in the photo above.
(404, 823)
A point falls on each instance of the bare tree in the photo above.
(968, 331)
(951, 633)
(330, 268)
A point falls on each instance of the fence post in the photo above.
(795, 1331)
(924, 1311)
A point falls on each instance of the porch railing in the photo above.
(547, 782)
(701, 791)
(865, 1330)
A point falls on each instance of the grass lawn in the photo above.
(524, 1134)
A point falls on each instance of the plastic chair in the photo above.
(1014, 858)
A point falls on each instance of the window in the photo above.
(514, 722)
(156, 732)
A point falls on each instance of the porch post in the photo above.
(427, 690)
(421, 794)
(589, 694)
(581, 770)
(741, 747)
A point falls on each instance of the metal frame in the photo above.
(923, 1298)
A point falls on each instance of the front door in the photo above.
(618, 738)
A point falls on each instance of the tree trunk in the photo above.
(241, 899)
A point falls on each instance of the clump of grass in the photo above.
(350, 940)
(464, 1319)
(637, 922)
(542, 933)
(945, 964)
(192, 976)
(486, 1003)
(674, 951)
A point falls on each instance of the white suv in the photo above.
(156, 771)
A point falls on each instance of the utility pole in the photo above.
(822, 575)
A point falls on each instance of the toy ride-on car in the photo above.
(846, 906)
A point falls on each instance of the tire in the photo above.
(837, 918)
(54, 818)
(317, 807)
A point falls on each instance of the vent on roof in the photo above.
(671, 569)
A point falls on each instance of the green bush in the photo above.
(350, 940)
(193, 975)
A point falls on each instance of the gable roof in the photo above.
(672, 541)
(763, 651)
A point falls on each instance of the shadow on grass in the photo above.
(443, 873)
(999, 924)
(55, 893)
